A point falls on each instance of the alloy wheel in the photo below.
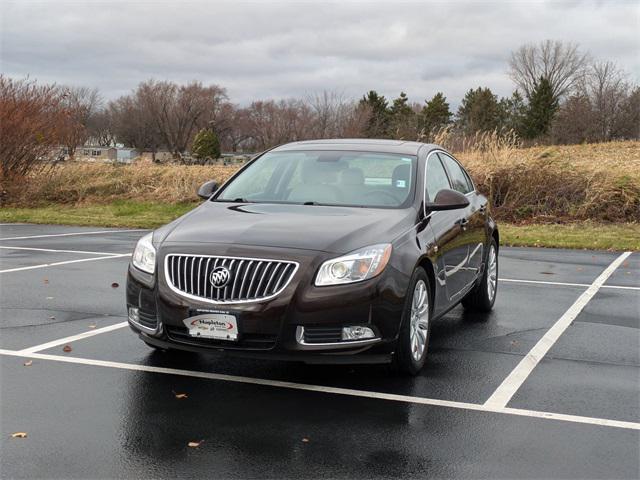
(419, 320)
(492, 273)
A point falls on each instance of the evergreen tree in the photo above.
(479, 112)
(514, 110)
(379, 115)
(542, 108)
(435, 114)
(402, 123)
(206, 145)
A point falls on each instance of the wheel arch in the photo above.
(427, 265)
(495, 234)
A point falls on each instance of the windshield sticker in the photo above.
(401, 183)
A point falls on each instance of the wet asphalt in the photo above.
(89, 421)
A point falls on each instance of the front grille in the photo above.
(250, 341)
(322, 334)
(250, 280)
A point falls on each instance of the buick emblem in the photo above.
(219, 277)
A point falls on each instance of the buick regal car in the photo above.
(333, 251)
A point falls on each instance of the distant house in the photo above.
(127, 155)
(105, 154)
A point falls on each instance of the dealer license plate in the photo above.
(213, 325)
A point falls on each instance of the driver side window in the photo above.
(436, 177)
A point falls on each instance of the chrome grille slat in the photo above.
(277, 285)
(252, 279)
(225, 291)
(198, 282)
(184, 272)
(273, 274)
(247, 271)
(238, 274)
(206, 277)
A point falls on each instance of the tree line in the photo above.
(562, 95)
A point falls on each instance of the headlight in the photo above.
(144, 256)
(354, 267)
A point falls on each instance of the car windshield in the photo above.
(346, 178)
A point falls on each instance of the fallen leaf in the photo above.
(46, 280)
(67, 348)
(114, 285)
(305, 440)
(28, 363)
(195, 444)
(19, 435)
(180, 396)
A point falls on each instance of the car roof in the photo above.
(358, 144)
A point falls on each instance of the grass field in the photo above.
(122, 213)
(574, 196)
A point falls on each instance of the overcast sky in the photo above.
(284, 49)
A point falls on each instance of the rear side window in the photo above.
(436, 177)
(459, 179)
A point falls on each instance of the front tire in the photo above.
(413, 340)
(483, 295)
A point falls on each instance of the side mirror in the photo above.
(207, 189)
(448, 200)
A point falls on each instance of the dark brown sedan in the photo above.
(329, 251)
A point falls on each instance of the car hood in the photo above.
(308, 227)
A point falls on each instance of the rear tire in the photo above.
(415, 329)
(483, 295)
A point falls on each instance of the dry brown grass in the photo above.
(543, 184)
(73, 183)
(558, 183)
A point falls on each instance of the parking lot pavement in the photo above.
(547, 385)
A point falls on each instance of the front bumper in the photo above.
(272, 328)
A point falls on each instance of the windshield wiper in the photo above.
(311, 203)
(235, 200)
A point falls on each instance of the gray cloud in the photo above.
(275, 49)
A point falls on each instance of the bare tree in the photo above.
(179, 111)
(606, 86)
(80, 104)
(575, 121)
(562, 64)
(101, 128)
(30, 116)
(272, 123)
(232, 126)
(133, 125)
(627, 123)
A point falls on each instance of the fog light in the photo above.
(357, 333)
(133, 314)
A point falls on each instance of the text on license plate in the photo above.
(213, 325)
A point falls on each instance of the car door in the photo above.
(471, 219)
(448, 233)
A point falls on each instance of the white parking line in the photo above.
(98, 232)
(72, 338)
(507, 389)
(563, 284)
(331, 390)
(45, 265)
(58, 251)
